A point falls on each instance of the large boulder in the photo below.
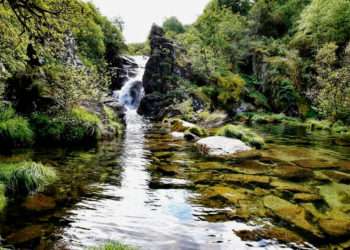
(160, 68)
(220, 146)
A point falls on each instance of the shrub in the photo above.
(213, 118)
(83, 115)
(242, 133)
(113, 120)
(26, 177)
(71, 128)
(14, 130)
(113, 246)
(198, 131)
(314, 124)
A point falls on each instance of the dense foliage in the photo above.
(53, 55)
(277, 56)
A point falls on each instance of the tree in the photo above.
(173, 25)
(237, 6)
(333, 82)
(325, 21)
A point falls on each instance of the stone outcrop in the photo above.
(161, 67)
(161, 78)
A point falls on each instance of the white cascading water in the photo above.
(132, 91)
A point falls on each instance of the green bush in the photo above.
(198, 131)
(26, 177)
(242, 133)
(113, 246)
(14, 130)
(70, 128)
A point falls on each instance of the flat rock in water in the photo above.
(290, 213)
(221, 146)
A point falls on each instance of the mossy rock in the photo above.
(282, 185)
(290, 213)
(242, 133)
(198, 131)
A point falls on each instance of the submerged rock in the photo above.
(335, 227)
(276, 233)
(26, 234)
(39, 202)
(290, 186)
(304, 197)
(221, 146)
(290, 213)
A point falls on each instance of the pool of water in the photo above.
(155, 192)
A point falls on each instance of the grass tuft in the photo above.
(26, 177)
(113, 246)
(242, 133)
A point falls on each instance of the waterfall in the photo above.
(131, 93)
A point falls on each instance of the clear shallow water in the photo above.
(113, 192)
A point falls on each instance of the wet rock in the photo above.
(220, 146)
(162, 155)
(251, 168)
(337, 196)
(169, 170)
(191, 137)
(290, 186)
(244, 179)
(292, 172)
(39, 202)
(214, 166)
(335, 227)
(180, 125)
(26, 234)
(315, 164)
(338, 176)
(276, 233)
(290, 213)
(305, 197)
(227, 194)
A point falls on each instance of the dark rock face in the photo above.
(121, 68)
(160, 73)
(161, 78)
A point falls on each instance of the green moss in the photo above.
(113, 120)
(268, 118)
(113, 246)
(242, 133)
(83, 115)
(314, 124)
(198, 131)
(26, 177)
(66, 128)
